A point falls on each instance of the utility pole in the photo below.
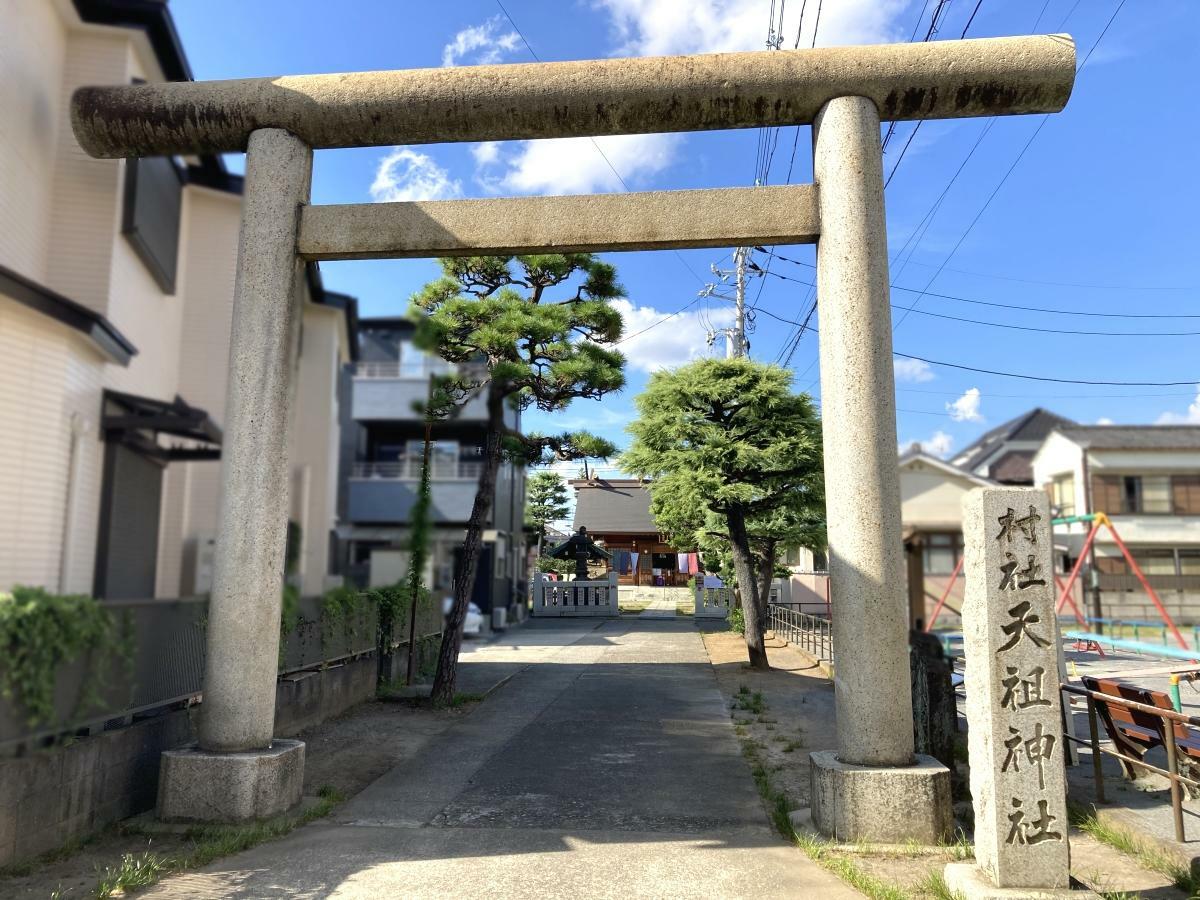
(736, 343)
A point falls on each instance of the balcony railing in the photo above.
(410, 470)
(417, 369)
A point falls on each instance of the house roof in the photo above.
(1014, 467)
(1134, 437)
(1034, 425)
(620, 505)
(101, 332)
(917, 455)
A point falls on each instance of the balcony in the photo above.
(385, 492)
(388, 391)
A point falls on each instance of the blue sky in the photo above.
(1097, 215)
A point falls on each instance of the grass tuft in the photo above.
(209, 842)
(133, 872)
(1146, 854)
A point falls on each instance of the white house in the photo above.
(1146, 478)
(116, 288)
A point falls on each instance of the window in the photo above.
(1155, 561)
(1150, 494)
(150, 218)
(1106, 494)
(1062, 494)
(1185, 494)
(792, 556)
(942, 552)
(1189, 561)
(1156, 494)
(820, 561)
(443, 458)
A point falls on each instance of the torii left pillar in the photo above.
(239, 771)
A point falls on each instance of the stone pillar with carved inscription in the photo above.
(1014, 707)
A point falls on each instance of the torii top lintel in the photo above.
(934, 80)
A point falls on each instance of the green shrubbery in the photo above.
(41, 631)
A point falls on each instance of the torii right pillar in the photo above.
(873, 787)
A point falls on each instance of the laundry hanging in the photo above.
(681, 563)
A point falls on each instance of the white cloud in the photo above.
(1105, 420)
(405, 174)
(486, 153)
(486, 39)
(914, 370)
(1191, 417)
(573, 165)
(662, 27)
(966, 407)
(939, 445)
(672, 343)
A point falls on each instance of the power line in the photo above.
(1053, 396)
(935, 362)
(665, 318)
(1009, 171)
(595, 143)
(1042, 309)
(912, 134)
(921, 312)
(1072, 284)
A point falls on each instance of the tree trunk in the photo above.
(766, 575)
(464, 576)
(743, 567)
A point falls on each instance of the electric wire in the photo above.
(1041, 309)
(1010, 169)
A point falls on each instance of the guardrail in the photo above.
(410, 469)
(813, 634)
(417, 370)
(1172, 723)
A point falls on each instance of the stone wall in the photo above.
(50, 797)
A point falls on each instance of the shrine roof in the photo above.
(621, 505)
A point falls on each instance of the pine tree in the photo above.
(732, 453)
(545, 501)
(493, 317)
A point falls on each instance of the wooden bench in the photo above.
(1135, 732)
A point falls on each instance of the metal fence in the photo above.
(163, 665)
(813, 634)
(1172, 727)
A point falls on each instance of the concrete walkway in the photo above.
(660, 608)
(606, 766)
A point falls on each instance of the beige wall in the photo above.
(931, 497)
(60, 225)
(315, 441)
(50, 382)
(32, 47)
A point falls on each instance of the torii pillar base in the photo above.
(881, 804)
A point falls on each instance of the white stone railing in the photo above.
(713, 603)
(575, 598)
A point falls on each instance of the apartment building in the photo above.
(116, 291)
(1146, 478)
(382, 446)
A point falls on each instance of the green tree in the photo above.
(545, 502)
(731, 452)
(493, 317)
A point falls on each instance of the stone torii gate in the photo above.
(872, 787)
